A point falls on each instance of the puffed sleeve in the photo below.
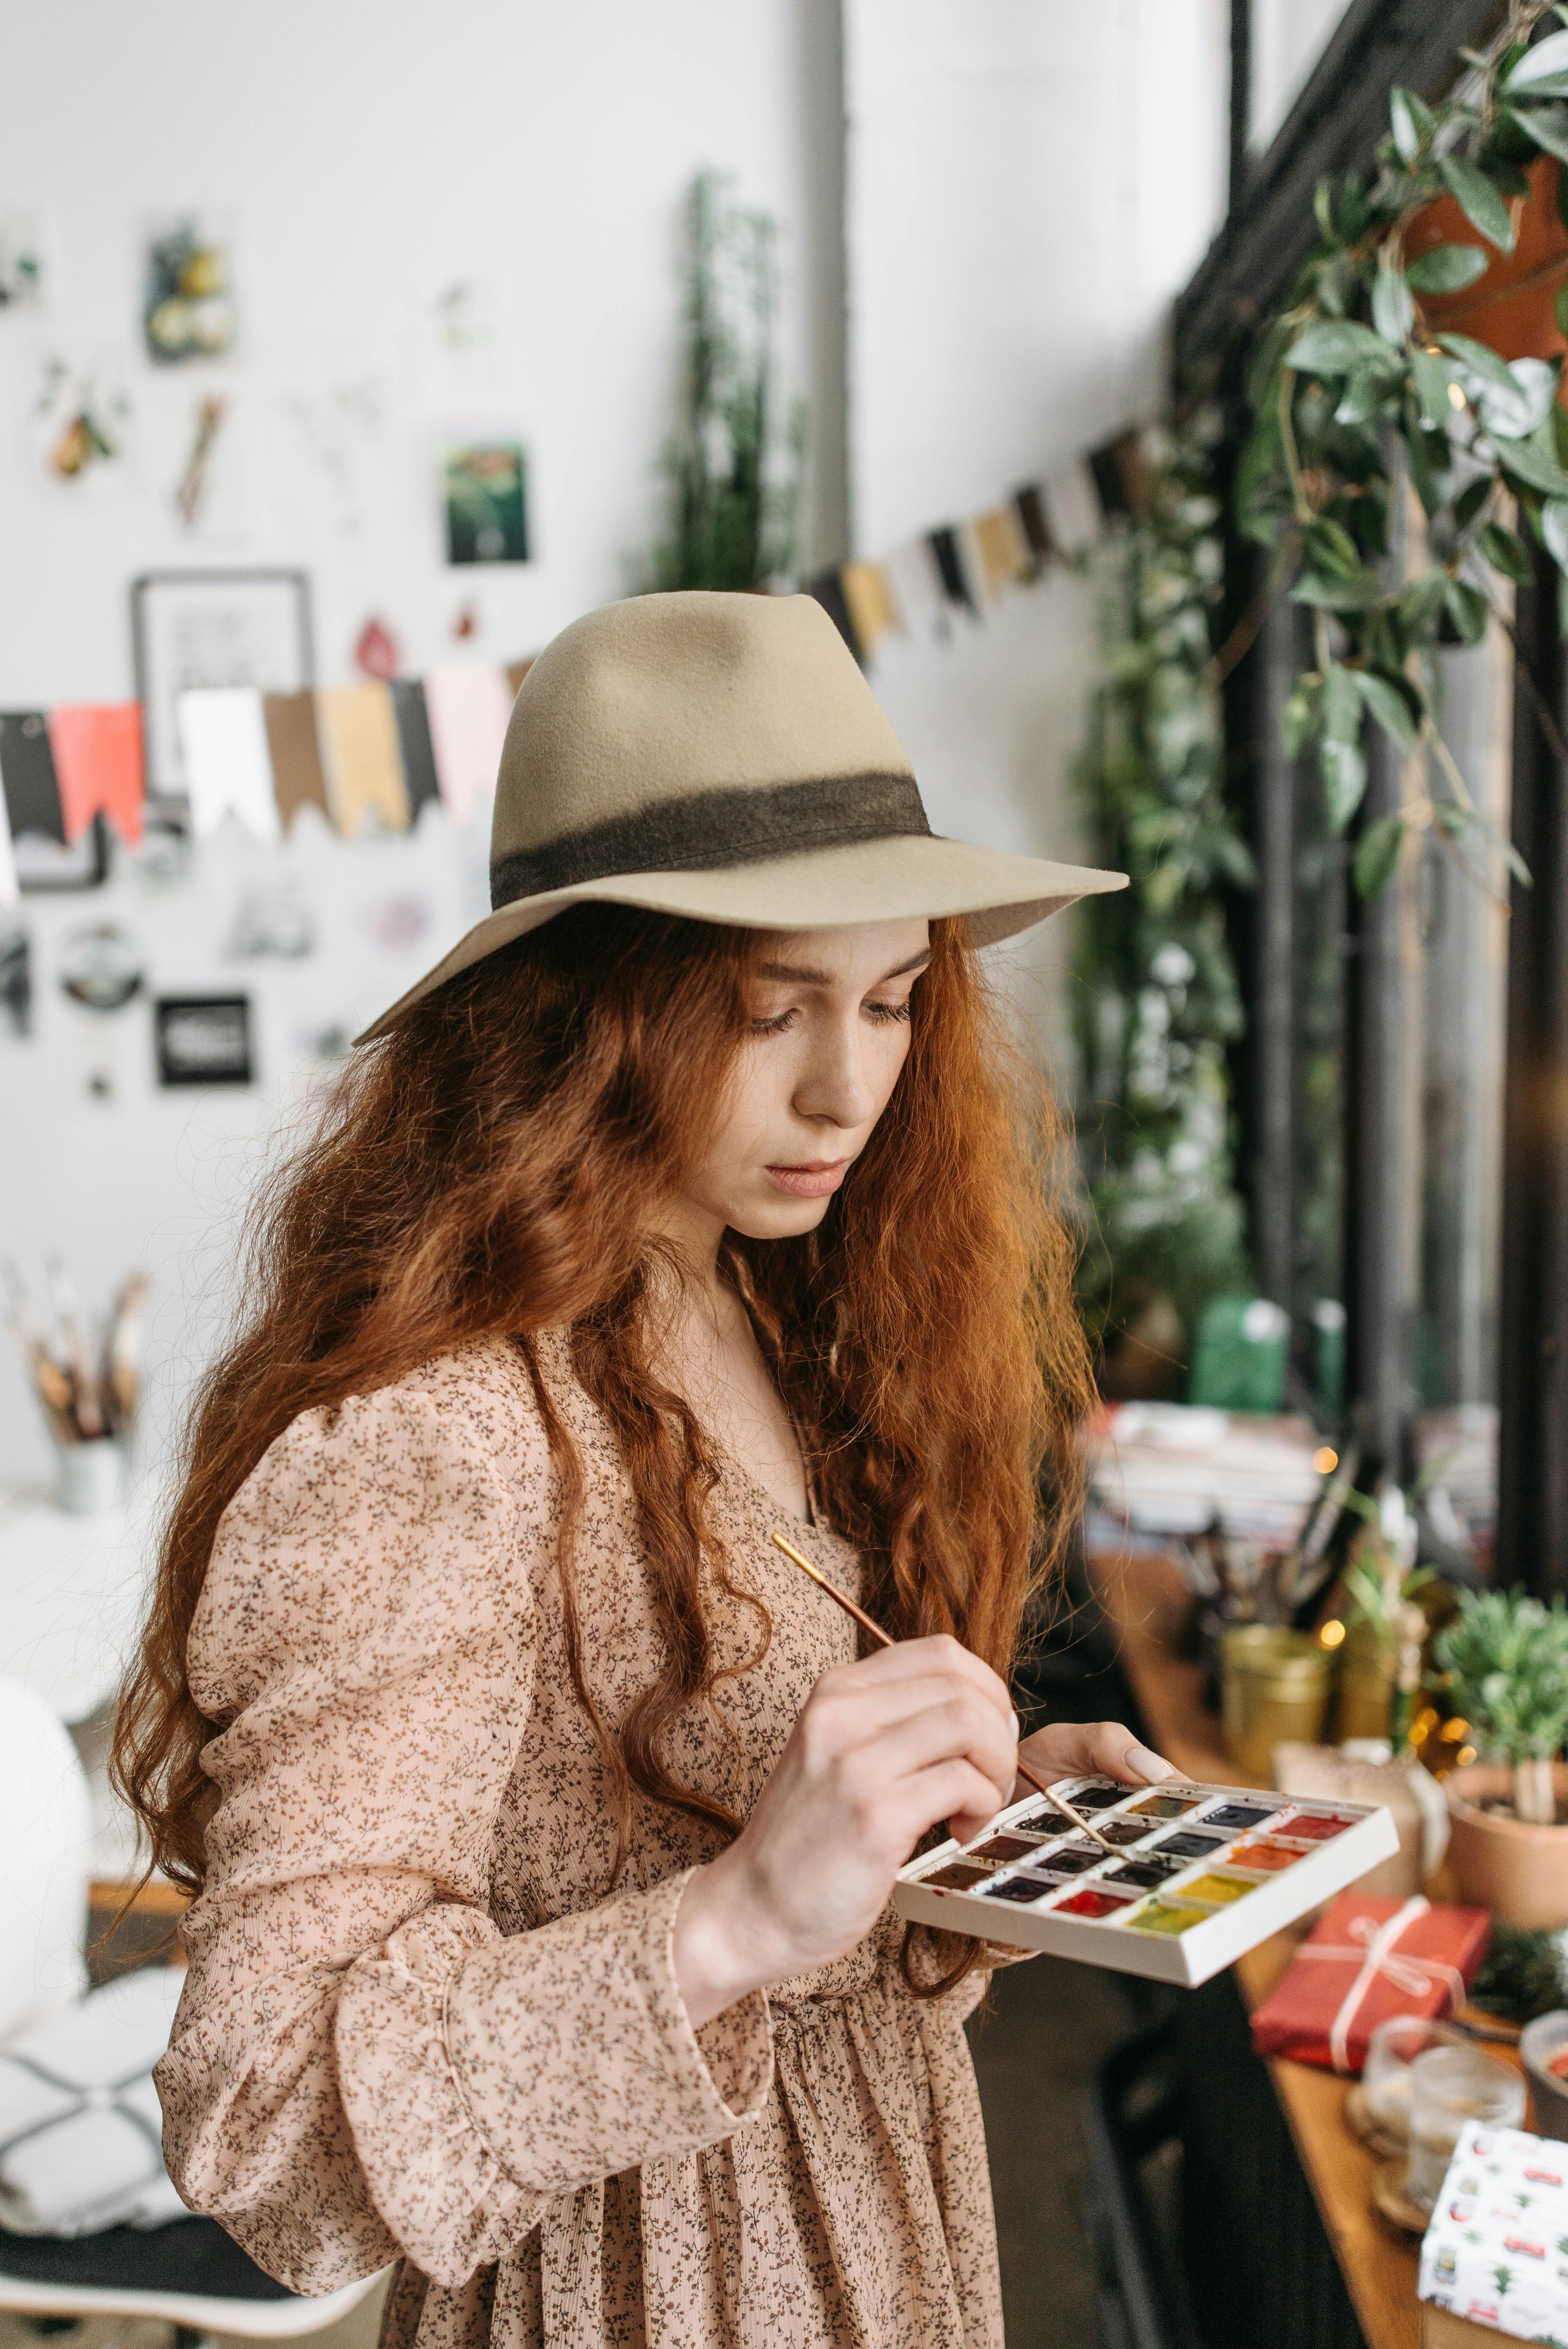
(362, 2065)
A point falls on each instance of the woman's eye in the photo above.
(883, 1012)
(776, 1025)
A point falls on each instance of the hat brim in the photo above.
(898, 880)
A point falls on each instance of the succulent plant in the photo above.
(1507, 1662)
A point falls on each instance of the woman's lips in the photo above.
(812, 1181)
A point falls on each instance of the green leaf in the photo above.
(1337, 346)
(1299, 718)
(1393, 311)
(1468, 609)
(1541, 71)
(1343, 781)
(1389, 707)
(1422, 601)
(1554, 531)
(1337, 595)
(1410, 121)
(1323, 210)
(1331, 548)
(1478, 201)
(1548, 126)
(1506, 551)
(1560, 299)
(1447, 269)
(1428, 454)
(1378, 856)
(1536, 463)
(1433, 377)
(1341, 705)
(1480, 361)
(1514, 415)
(1469, 502)
(1364, 397)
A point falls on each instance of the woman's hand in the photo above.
(1070, 1749)
(882, 1750)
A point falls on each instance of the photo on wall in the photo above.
(187, 297)
(485, 491)
(203, 1039)
(192, 629)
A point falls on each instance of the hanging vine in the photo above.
(1353, 370)
(1156, 998)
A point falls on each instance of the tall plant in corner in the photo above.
(733, 488)
(1352, 370)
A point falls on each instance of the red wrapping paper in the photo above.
(1363, 1962)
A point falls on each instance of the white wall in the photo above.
(1029, 183)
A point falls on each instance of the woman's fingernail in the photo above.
(1147, 1765)
(1014, 1718)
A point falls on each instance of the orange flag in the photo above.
(98, 765)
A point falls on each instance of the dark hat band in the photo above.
(709, 829)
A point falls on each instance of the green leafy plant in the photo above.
(733, 491)
(1155, 995)
(1506, 1657)
(1349, 373)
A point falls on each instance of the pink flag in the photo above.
(469, 703)
(98, 763)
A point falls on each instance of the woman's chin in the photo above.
(780, 1218)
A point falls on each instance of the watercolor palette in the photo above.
(1200, 1874)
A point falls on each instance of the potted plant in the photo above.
(1380, 1661)
(1506, 1657)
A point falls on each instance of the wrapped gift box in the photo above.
(1493, 2259)
(1363, 1962)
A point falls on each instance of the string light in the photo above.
(1325, 1460)
(1332, 1633)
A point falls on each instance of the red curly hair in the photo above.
(470, 1180)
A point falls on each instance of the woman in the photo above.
(544, 1817)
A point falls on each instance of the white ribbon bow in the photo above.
(1375, 1947)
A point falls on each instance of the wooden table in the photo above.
(1147, 1604)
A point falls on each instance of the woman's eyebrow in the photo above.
(801, 975)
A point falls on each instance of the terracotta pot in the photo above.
(1519, 1872)
(1510, 308)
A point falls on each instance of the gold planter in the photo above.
(1274, 1691)
(1364, 1697)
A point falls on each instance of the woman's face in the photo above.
(828, 1033)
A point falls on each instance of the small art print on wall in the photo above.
(486, 500)
(187, 296)
(203, 1039)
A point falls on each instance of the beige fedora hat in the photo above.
(722, 757)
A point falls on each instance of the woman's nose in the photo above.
(833, 1084)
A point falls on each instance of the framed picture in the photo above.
(191, 629)
(485, 491)
(203, 1039)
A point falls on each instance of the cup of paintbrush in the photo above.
(883, 1639)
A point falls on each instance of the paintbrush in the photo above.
(875, 1631)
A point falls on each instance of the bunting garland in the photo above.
(968, 566)
(372, 755)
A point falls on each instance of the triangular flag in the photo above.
(1002, 549)
(828, 589)
(358, 729)
(228, 765)
(956, 581)
(917, 588)
(469, 705)
(98, 764)
(1031, 506)
(298, 780)
(414, 738)
(873, 614)
(28, 772)
(1073, 509)
(10, 887)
